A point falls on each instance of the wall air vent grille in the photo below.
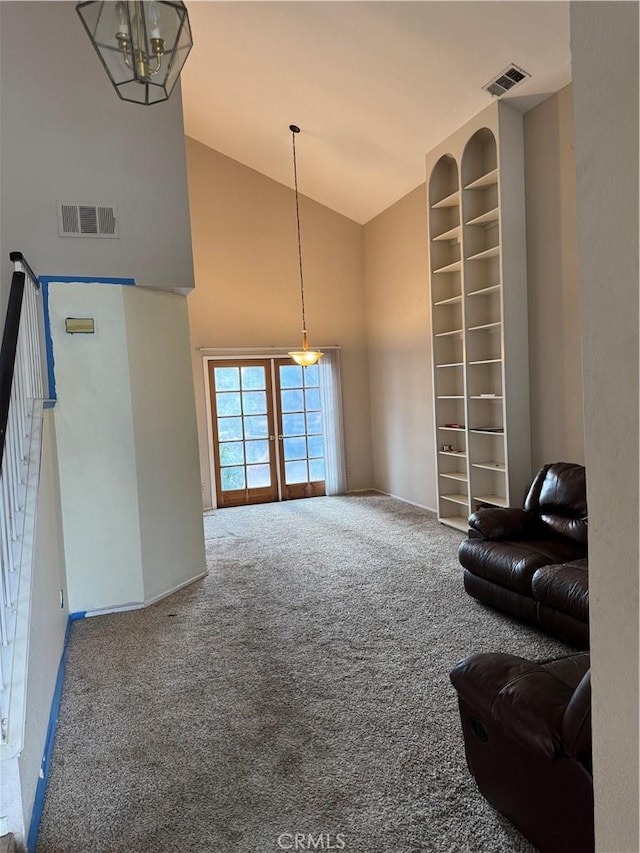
(505, 80)
(87, 220)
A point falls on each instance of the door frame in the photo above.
(296, 490)
(260, 494)
(233, 354)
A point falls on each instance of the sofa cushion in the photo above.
(570, 669)
(564, 587)
(559, 496)
(513, 564)
(572, 528)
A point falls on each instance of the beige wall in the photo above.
(168, 476)
(398, 316)
(96, 454)
(398, 326)
(554, 319)
(604, 47)
(248, 290)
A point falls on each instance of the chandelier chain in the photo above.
(295, 179)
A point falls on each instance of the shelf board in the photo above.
(453, 364)
(485, 291)
(493, 252)
(450, 301)
(496, 500)
(452, 200)
(489, 397)
(483, 181)
(490, 466)
(484, 218)
(489, 430)
(484, 326)
(458, 453)
(451, 234)
(455, 475)
(444, 334)
(457, 521)
(456, 265)
(452, 429)
(450, 397)
(487, 361)
(456, 499)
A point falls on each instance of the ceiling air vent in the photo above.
(505, 80)
(87, 220)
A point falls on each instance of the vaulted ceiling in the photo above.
(372, 85)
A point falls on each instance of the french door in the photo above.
(300, 439)
(267, 434)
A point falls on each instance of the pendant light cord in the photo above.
(304, 357)
(295, 180)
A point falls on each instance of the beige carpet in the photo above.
(301, 688)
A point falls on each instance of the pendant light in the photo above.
(142, 45)
(305, 357)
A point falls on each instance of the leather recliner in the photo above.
(532, 562)
(527, 736)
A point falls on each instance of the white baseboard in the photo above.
(404, 500)
(180, 586)
(140, 605)
(108, 610)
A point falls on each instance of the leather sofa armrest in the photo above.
(520, 697)
(503, 523)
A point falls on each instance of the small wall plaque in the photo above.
(79, 325)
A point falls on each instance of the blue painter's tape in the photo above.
(48, 340)
(79, 614)
(83, 279)
(41, 788)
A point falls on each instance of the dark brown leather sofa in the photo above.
(532, 562)
(527, 735)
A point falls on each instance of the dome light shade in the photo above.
(306, 357)
(143, 46)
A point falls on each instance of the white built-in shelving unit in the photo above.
(477, 263)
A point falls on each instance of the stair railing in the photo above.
(21, 406)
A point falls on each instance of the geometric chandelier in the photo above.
(143, 46)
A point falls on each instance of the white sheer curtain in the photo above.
(331, 397)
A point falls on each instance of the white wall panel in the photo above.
(96, 450)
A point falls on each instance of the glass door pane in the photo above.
(300, 437)
(243, 433)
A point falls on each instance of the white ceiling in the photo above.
(372, 85)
